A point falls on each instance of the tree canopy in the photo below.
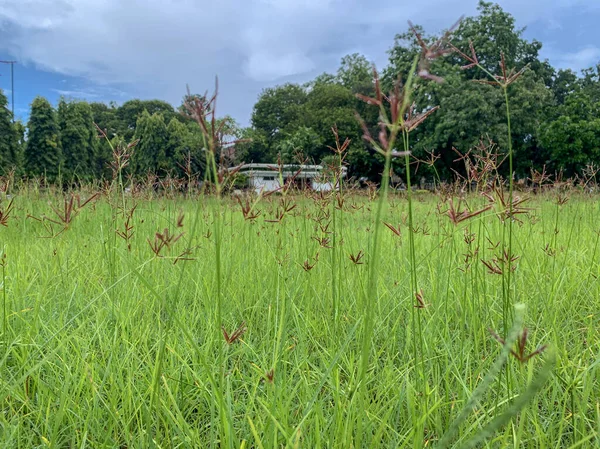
(43, 152)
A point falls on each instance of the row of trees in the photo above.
(555, 117)
(75, 141)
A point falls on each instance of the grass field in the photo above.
(115, 340)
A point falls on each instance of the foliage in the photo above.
(130, 111)
(150, 155)
(185, 149)
(78, 140)
(43, 153)
(303, 144)
(471, 111)
(19, 158)
(9, 146)
(277, 113)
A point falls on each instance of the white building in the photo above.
(267, 177)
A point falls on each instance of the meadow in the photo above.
(299, 320)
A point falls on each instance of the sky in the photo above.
(116, 50)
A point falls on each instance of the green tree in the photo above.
(573, 144)
(43, 153)
(150, 153)
(356, 74)
(129, 112)
(564, 83)
(276, 115)
(253, 146)
(573, 138)
(470, 111)
(323, 78)
(194, 144)
(304, 142)
(78, 141)
(9, 148)
(190, 99)
(105, 117)
(590, 83)
(179, 149)
(19, 159)
(493, 31)
(329, 105)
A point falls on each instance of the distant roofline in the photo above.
(262, 169)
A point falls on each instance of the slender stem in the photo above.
(334, 262)
(510, 194)
(417, 327)
(370, 295)
(4, 320)
(508, 263)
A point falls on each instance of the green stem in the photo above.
(370, 295)
(510, 199)
(4, 320)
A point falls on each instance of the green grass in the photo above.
(104, 347)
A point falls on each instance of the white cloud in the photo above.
(76, 93)
(35, 14)
(265, 66)
(155, 47)
(90, 93)
(581, 59)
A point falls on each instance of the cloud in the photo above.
(265, 66)
(76, 93)
(153, 48)
(580, 59)
(35, 14)
(92, 93)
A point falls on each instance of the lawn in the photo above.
(200, 324)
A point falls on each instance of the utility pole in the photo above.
(12, 86)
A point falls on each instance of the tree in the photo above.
(470, 111)
(590, 83)
(573, 138)
(564, 83)
(19, 158)
(304, 142)
(150, 153)
(105, 117)
(131, 110)
(323, 78)
(78, 140)
(43, 153)
(176, 149)
(329, 105)
(194, 144)
(183, 154)
(9, 154)
(493, 31)
(189, 99)
(277, 113)
(253, 146)
(226, 133)
(401, 56)
(356, 74)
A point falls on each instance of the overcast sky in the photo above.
(105, 50)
